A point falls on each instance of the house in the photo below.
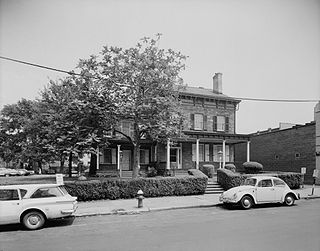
(209, 136)
(287, 148)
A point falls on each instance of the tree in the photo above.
(145, 85)
(80, 112)
(23, 133)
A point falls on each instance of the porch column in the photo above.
(248, 150)
(118, 162)
(168, 154)
(197, 154)
(223, 153)
(98, 158)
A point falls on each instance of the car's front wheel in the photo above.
(33, 220)
(246, 202)
(289, 200)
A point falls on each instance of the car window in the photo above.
(46, 192)
(250, 182)
(279, 183)
(265, 183)
(9, 194)
(64, 190)
(23, 192)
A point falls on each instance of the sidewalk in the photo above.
(130, 206)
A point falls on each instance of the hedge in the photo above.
(125, 189)
(228, 179)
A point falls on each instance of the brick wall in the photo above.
(282, 150)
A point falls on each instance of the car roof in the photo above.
(260, 177)
(27, 186)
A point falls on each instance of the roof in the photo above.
(204, 92)
(27, 186)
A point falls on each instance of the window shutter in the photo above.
(227, 124)
(205, 127)
(215, 123)
(192, 121)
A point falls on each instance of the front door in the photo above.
(10, 206)
(266, 191)
(175, 158)
(126, 159)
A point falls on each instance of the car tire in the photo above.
(246, 202)
(289, 200)
(33, 220)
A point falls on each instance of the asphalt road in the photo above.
(264, 228)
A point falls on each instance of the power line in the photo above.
(77, 74)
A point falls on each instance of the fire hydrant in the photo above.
(140, 198)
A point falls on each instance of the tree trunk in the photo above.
(93, 165)
(40, 166)
(70, 165)
(61, 164)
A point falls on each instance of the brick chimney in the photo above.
(217, 83)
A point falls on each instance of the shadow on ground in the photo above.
(49, 224)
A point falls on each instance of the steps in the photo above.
(213, 187)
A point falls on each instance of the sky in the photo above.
(267, 49)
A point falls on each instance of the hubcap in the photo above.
(246, 202)
(34, 219)
(289, 200)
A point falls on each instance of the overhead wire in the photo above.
(78, 74)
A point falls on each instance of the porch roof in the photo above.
(213, 137)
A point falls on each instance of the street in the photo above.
(263, 228)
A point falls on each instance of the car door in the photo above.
(279, 187)
(265, 191)
(10, 206)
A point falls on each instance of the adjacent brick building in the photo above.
(287, 148)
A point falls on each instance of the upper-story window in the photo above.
(220, 123)
(198, 121)
(126, 127)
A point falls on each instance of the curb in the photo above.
(132, 212)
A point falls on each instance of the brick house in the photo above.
(209, 129)
(287, 148)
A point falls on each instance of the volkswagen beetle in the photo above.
(260, 190)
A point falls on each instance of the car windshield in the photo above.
(250, 182)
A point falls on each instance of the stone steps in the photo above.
(213, 187)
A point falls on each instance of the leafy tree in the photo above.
(23, 133)
(80, 112)
(145, 84)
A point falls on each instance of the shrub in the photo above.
(196, 173)
(230, 167)
(208, 170)
(228, 179)
(124, 189)
(252, 167)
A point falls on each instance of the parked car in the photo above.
(24, 172)
(8, 172)
(34, 204)
(260, 190)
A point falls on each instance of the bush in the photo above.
(228, 179)
(124, 189)
(208, 170)
(196, 173)
(230, 167)
(252, 167)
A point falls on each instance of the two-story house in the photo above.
(209, 135)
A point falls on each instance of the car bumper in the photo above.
(227, 200)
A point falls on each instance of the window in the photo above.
(203, 152)
(297, 155)
(220, 123)
(278, 183)
(217, 149)
(198, 122)
(144, 156)
(250, 182)
(276, 157)
(47, 192)
(108, 156)
(9, 194)
(265, 183)
(127, 128)
(23, 192)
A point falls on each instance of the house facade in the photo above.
(209, 131)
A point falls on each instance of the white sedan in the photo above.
(33, 204)
(260, 190)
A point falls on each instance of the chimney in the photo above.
(217, 83)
